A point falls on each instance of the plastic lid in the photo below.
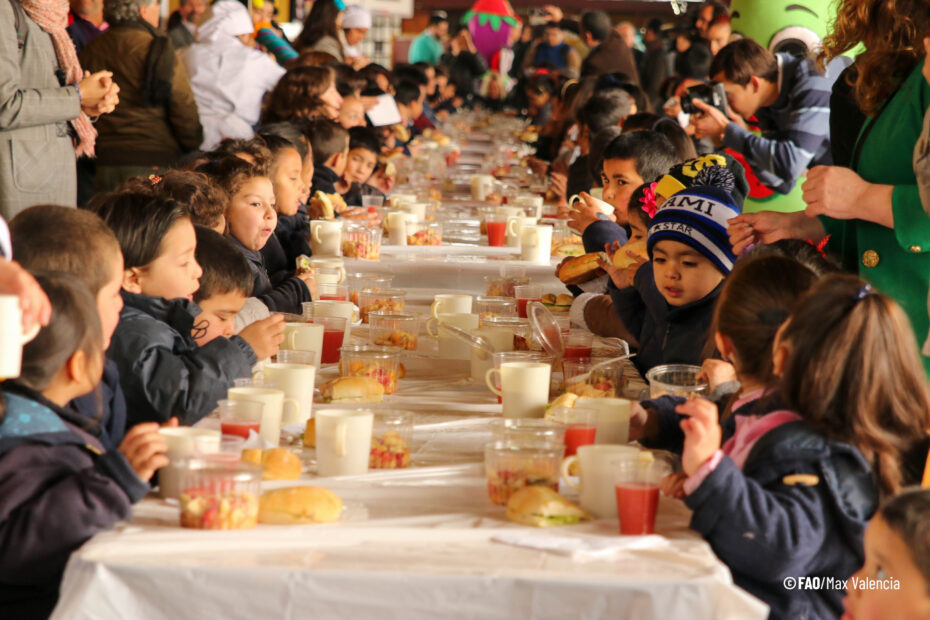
(476, 342)
(545, 328)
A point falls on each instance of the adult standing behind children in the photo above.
(322, 29)
(609, 53)
(228, 77)
(427, 47)
(157, 122)
(45, 105)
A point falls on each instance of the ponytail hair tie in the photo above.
(648, 201)
(864, 292)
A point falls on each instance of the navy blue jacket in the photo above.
(666, 334)
(58, 487)
(163, 371)
(766, 529)
(106, 404)
(282, 291)
(600, 233)
(324, 180)
(292, 232)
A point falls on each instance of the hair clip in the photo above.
(648, 201)
(864, 292)
(154, 179)
(821, 245)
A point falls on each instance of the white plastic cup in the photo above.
(524, 388)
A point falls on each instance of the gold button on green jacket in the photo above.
(897, 262)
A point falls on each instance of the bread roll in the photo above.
(352, 390)
(540, 506)
(622, 260)
(296, 505)
(581, 268)
(280, 464)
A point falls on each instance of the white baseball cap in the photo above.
(356, 16)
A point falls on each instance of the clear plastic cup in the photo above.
(527, 430)
(373, 201)
(333, 292)
(584, 380)
(379, 363)
(220, 497)
(386, 300)
(286, 356)
(579, 423)
(489, 307)
(524, 294)
(512, 465)
(578, 344)
(424, 233)
(637, 483)
(362, 242)
(239, 417)
(356, 281)
(394, 330)
(334, 331)
(675, 380)
(391, 439)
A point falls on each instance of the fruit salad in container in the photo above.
(512, 465)
(601, 382)
(360, 281)
(424, 233)
(394, 330)
(498, 286)
(392, 433)
(220, 497)
(361, 242)
(382, 300)
(379, 363)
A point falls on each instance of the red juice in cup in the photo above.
(577, 352)
(497, 233)
(522, 304)
(334, 298)
(577, 436)
(332, 341)
(637, 503)
(239, 428)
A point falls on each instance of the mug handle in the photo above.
(434, 309)
(340, 438)
(491, 386)
(566, 466)
(571, 201)
(293, 403)
(342, 274)
(258, 372)
(315, 233)
(434, 322)
(31, 333)
(291, 340)
(511, 227)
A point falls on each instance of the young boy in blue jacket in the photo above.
(79, 243)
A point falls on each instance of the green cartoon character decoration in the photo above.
(791, 26)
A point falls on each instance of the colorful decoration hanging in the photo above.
(489, 22)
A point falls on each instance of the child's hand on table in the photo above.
(265, 336)
(702, 433)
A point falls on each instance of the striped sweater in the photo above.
(795, 129)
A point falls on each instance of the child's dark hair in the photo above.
(290, 132)
(598, 143)
(254, 148)
(140, 223)
(756, 299)
(224, 267)
(652, 153)
(365, 138)
(231, 172)
(637, 201)
(802, 251)
(541, 85)
(404, 72)
(326, 139)
(372, 70)
(74, 326)
(406, 92)
(605, 109)
(908, 516)
(276, 144)
(854, 374)
(348, 80)
(621, 81)
(204, 199)
(67, 240)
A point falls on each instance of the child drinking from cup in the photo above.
(895, 578)
(163, 372)
(58, 484)
(790, 492)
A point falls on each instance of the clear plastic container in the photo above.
(605, 381)
(527, 430)
(424, 233)
(490, 307)
(394, 330)
(380, 300)
(379, 363)
(356, 281)
(361, 242)
(675, 380)
(512, 465)
(519, 327)
(220, 497)
(391, 438)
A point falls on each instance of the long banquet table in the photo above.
(412, 543)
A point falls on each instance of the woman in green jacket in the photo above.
(872, 210)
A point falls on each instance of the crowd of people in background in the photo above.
(785, 209)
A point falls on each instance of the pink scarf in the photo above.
(52, 17)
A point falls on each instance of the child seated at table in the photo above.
(895, 578)
(163, 372)
(58, 484)
(669, 303)
(330, 143)
(284, 170)
(81, 245)
(789, 494)
(364, 150)
(251, 220)
(223, 298)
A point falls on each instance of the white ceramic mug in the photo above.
(343, 441)
(536, 244)
(396, 200)
(451, 347)
(450, 304)
(613, 418)
(296, 381)
(604, 207)
(596, 477)
(12, 337)
(524, 388)
(326, 237)
(331, 262)
(304, 337)
(481, 186)
(530, 201)
(333, 307)
(515, 223)
(273, 410)
(510, 211)
(481, 362)
(179, 441)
